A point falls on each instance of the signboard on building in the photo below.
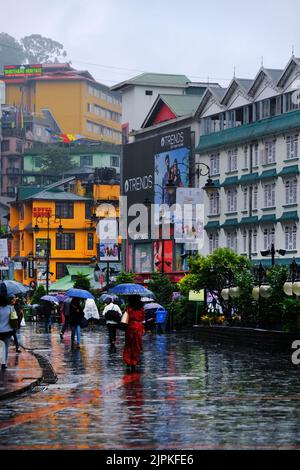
(4, 259)
(17, 71)
(189, 222)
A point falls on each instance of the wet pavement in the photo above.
(186, 394)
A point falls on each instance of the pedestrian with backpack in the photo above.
(112, 314)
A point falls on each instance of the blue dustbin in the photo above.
(161, 315)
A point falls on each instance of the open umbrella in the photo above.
(80, 293)
(50, 298)
(147, 299)
(130, 289)
(104, 297)
(9, 288)
(152, 306)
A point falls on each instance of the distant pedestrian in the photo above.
(134, 332)
(91, 311)
(48, 311)
(112, 314)
(15, 304)
(66, 313)
(76, 317)
(6, 330)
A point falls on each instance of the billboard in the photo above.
(4, 259)
(109, 251)
(17, 71)
(189, 227)
(144, 165)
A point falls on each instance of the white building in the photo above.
(249, 139)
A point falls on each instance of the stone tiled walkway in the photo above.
(22, 373)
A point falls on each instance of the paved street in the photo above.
(187, 394)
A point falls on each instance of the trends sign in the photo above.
(149, 164)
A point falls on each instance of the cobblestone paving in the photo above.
(187, 394)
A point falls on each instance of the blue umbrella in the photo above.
(81, 293)
(130, 289)
(50, 298)
(10, 288)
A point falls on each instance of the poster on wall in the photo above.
(165, 257)
(189, 224)
(4, 259)
(109, 251)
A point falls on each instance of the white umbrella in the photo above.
(152, 306)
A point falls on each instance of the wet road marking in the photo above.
(86, 397)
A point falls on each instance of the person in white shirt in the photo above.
(112, 314)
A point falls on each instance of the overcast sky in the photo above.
(118, 39)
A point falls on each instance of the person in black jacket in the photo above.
(76, 317)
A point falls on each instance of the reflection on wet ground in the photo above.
(187, 394)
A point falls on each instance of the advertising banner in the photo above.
(189, 225)
(109, 251)
(4, 259)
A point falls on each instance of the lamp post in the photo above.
(230, 291)
(292, 284)
(205, 171)
(40, 214)
(271, 252)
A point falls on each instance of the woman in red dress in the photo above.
(134, 332)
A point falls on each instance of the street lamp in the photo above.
(292, 284)
(263, 288)
(40, 214)
(272, 252)
(205, 171)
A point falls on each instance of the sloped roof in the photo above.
(56, 195)
(274, 74)
(154, 79)
(244, 83)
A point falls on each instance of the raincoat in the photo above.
(90, 309)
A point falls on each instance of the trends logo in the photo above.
(172, 139)
(139, 183)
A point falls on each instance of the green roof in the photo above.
(249, 220)
(154, 79)
(230, 223)
(230, 181)
(213, 224)
(289, 170)
(248, 132)
(182, 105)
(289, 216)
(26, 192)
(54, 195)
(267, 218)
(67, 282)
(267, 174)
(248, 179)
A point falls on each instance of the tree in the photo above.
(82, 282)
(39, 49)
(125, 277)
(40, 291)
(11, 51)
(56, 161)
(162, 287)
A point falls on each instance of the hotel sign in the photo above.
(15, 71)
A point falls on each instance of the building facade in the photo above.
(249, 138)
(79, 104)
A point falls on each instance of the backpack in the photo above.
(113, 315)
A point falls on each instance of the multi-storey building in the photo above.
(79, 104)
(249, 138)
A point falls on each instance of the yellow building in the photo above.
(64, 220)
(30, 216)
(79, 104)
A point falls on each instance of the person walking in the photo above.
(66, 312)
(6, 330)
(76, 317)
(134, 332)
(15, 304)
(48, 311)
(112, 314)
(91, 313)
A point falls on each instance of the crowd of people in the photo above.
(73, 314)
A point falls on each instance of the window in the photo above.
(114, 161)
(86, 160)
(88, 210)
(255, 156)
(148, 92)
(254, 241)
(292, 146)
(246, 156)
(41, 247)
(270, 152)
(213, 241)
(244, 241)
(254, 197)
(232, 241)
(90, 241)
(215, 164)
(5, 146)
(64, 210)
(291, 191)
(65, 241)
(37, 161)
(290, 237)
(269, 195)
(214, 204)
(232, 160)
(269, 238)
(143, 258)
(245, 199)
(292, 100)
(257, 111)
(232, 200)
(265, 109)
(19, 146)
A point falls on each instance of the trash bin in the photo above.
(161, 320)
